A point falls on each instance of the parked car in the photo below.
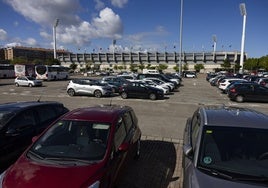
(153, 84)
(27, 81)
(115, 81)
(87, 147)
(159, 76)
(225, 147)
(19, 122)
(250, 91)
(137, 89)
(223, 84)
(170, 85)
(190, 74)
(263, 81)
(235, 82)
(88, 87)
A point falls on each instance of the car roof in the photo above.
(234, 117)
(17, 106)
(99, 113)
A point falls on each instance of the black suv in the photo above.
(248, 91)
(20, 121)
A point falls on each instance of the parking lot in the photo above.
(161, 121)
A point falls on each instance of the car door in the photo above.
(18, 134)
(262, 93)
(117, 157)
(23, 81)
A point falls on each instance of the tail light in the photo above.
(262, 83)
(232, 90)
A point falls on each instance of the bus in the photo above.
(53, 72)
(7, 71)
(24, 70)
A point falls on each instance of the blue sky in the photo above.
(136, 25)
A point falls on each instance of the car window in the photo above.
(26, 118)
(195, 129)
(120, 133)
(46, 113)
(128, 121)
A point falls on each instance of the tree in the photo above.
(141, 66)
(73, 66)
(198, 67)
(162, 67)
(226, 64)
(176, 68)
(185, 67)
(19, 60)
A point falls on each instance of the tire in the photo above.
(124, 95)
(71, 92)
(30, 85)
(17, 85)
(138, 150)
(152, 96)
(239, 98)
(97, 93)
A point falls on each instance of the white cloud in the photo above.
(30, 42)
(13, 44)
(99, 4)
(119, 3)
(71, 29)
(3, 34)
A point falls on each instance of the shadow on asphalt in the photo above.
(154, 169)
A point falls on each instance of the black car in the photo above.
(138, 89)
(250, 91)
(20, 121)
(225, 147)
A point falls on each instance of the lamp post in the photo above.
(181, 20)
(244, 14)
(54, 36)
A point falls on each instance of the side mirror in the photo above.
(188, 151)
(124, 146)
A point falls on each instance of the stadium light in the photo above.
(54, 36)
(244, 14)
(214, 39)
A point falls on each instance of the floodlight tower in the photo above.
(244, 14)
(54, 36)
(181, 24)
(214, 39)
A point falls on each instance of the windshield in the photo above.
(240, 151)
(73, 140)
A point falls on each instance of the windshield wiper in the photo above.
(217, 173)
(36, 155)
(69, 160)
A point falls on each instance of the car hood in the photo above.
(30, 174)
(200, 180)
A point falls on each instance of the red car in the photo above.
(86, 147)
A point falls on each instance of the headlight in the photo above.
(94, 185)
(2, 178)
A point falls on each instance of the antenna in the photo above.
(111, 102)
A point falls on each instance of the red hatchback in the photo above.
(87, 147)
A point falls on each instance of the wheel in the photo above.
(138, 150)
(239, 98)
(71, 92)
(17, 85)
(97, 93)
(152, 96)
(124, 95)
(30, 85)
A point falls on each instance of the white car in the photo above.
(170, 85)
(227, 81)
(27, 81)
(153, 84)
(88, 87)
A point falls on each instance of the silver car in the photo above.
(225, 147)
(27, 81)
(88, 87)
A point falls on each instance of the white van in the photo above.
(150, 71)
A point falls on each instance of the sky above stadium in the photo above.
(87, 26)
